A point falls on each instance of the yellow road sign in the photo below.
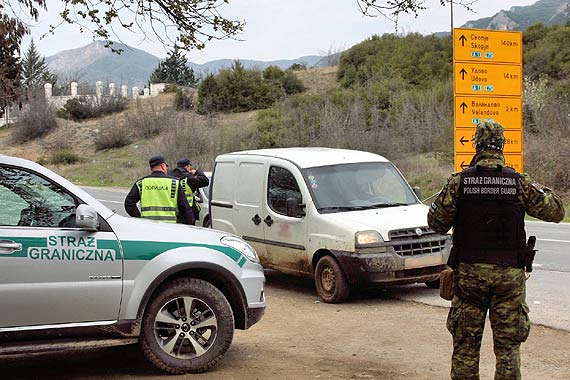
(464, 141)
(487, 46)
(487, 79)
(514, 161)
(472, 110)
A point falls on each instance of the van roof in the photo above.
(312, 157)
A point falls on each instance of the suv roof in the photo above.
(312, 157)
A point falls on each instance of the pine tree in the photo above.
(174, 70)
(35, 72)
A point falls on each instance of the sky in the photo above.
(279, 29)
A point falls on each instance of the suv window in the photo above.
(30, 200)
(281, 186)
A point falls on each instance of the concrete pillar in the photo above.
(47, 89)
(124, 91)
(73, 88)
(99, 89)
(135, 92)
(111, 89)
(146, 92)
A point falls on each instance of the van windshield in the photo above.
(358, 186)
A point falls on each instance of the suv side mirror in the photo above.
(86, 217)
(294, 208)
(417, 191)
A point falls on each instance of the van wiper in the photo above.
(342, 208)
(387, 204)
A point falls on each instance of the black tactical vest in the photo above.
(490, 217)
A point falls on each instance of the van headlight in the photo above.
(368, 239)
(240, 246)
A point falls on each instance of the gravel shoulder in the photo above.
(373, 336)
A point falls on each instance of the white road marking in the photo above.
(103, 200)
(554, 240)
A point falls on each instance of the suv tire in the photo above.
(330, 280)
(187, 326)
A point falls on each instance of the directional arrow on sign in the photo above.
(464, 165)
(463, 72)
(462, 39)
(463, 106)
(462, 141)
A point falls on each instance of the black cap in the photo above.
(156, 160)
(183, 162)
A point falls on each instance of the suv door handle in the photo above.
(256, 219)
(268, 220)
(8, 246)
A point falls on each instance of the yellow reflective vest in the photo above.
(189, 193)
(159, 198)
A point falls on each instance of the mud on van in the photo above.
(340, 216)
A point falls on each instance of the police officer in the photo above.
(161, 196)
(191, 179)
(486, 204)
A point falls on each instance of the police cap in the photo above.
(156, 160)
(183, 162)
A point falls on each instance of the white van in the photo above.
(341, 216)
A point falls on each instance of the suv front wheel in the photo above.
(187, 327)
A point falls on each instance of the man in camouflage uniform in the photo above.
(486, 204)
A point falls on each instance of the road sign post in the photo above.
(487, 86)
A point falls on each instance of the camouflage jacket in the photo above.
(539, 201)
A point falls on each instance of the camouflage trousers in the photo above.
(499, 290)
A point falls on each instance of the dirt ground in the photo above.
(373, 336)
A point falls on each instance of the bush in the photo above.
(36, 121)
(113, 136)
(182, 101)
(63, 157)
(83, 108)
(170, 88)
(239, 89)
(147, 121)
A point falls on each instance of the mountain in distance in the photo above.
(95, 62)
(133, 67)
(548, 12)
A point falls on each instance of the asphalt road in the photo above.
(548, 293)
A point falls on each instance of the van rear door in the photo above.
(237, 195)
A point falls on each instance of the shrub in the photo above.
(36, 121)
(82, 108)
(169, 88)
(182, 101)
(113, 136)
(147, 121)
(63, 157)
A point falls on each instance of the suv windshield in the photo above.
(358, 186)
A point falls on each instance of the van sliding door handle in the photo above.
(256, 219)
(268, 221)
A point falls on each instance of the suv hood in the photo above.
(382, 220)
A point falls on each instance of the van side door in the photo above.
(285, 235)
(52, 272)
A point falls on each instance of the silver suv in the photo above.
(72, 271)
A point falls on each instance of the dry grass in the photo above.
(318, 79)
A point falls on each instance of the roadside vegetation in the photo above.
(389, 94)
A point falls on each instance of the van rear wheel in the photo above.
(330, 280)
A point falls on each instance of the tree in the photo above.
(174, 69)
(11, 33)
(35, 72)
(393, 8)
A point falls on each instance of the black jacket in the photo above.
(185, 213)
(195, 181)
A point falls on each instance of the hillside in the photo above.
(133, 67)
(548, 12)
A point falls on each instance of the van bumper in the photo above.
(389, 268)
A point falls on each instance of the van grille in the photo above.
(407, 242)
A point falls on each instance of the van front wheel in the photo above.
(330, 281)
